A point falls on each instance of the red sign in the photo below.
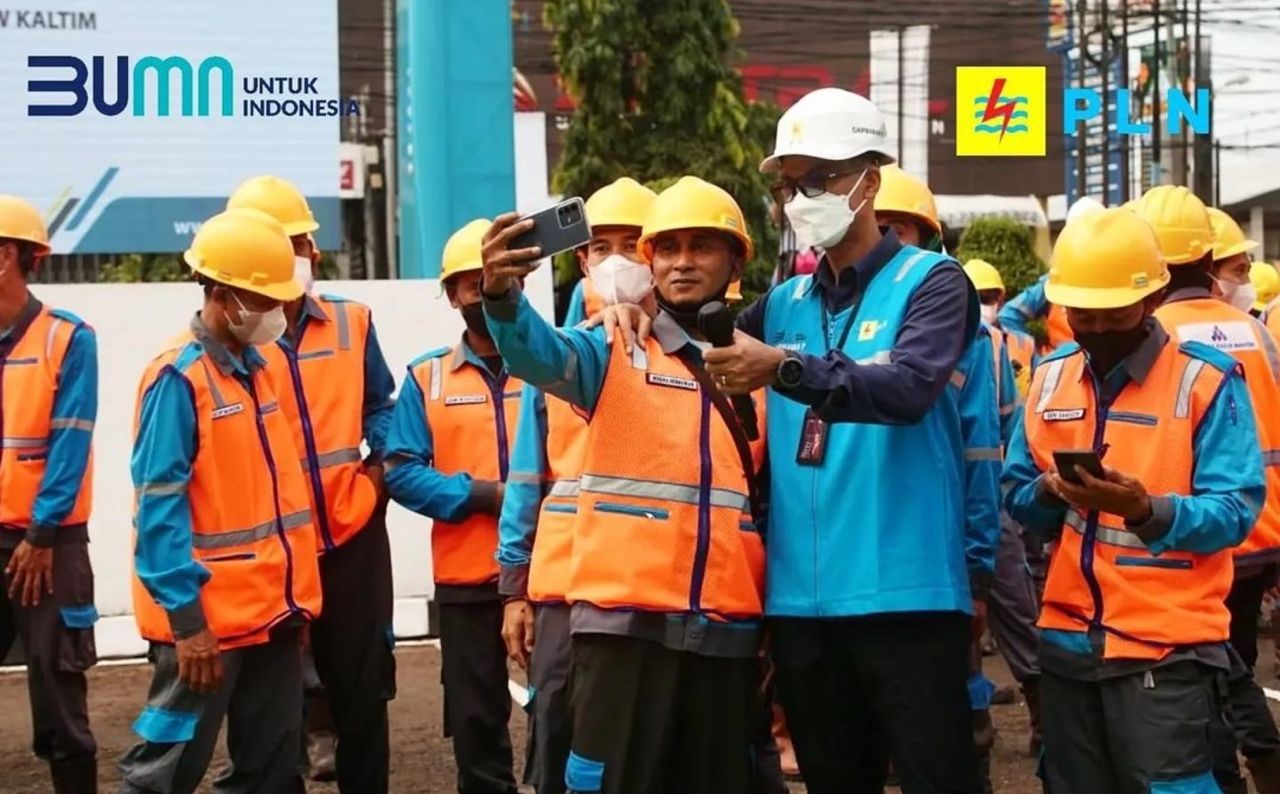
(347, 177)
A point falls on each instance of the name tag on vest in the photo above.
(1227, 337)
(466, 399)
(672, 381)
(1064, 415)
(227, 410)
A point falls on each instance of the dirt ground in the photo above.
(421, 761)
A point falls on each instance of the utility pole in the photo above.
(1156, 121)
(1124, 80)
(1106, 103)
(902, 116)
(1082, 129)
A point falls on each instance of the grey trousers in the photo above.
(551, 720)
(260, 697)
(1013, 608)
(1142, 733)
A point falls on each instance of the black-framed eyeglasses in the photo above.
(811, 185)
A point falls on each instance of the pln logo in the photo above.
(1000, 111)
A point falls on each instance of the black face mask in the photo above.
(1109, 348)
(686, 315)
(473, 316)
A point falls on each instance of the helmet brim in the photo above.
(1242, 247)
(1100, 298)
(835, 154)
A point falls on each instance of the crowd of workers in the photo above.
(716, 552)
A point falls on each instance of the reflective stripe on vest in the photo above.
(248, 496)
(662, 508)
(1239, 335)
(1101, 574)
(321, 390)
(472, 418)
(28, 380)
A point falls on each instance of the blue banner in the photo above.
(456, 158)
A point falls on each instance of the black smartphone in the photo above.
(556, 229)
(1087, 459)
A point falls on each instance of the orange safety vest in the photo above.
(321, 390)
(551, 563)
(1239, 335)
(469, 435)
(1101, 574)
(664, 520)
(1022, 351)
(1273, 323)
(1057, 328)
(28, 383)
(250, 511)
(592, 303)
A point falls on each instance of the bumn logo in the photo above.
(196, 85)
(1000, 111)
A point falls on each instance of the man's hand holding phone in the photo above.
(504, 266)
(1114, 492)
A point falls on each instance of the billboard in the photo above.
(129, 122)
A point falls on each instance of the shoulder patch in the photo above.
(66, 316)
(430, 354)
(1221, 361)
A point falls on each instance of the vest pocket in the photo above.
(558, 507)
(238, 557)
(651, 513)
(1155, 562)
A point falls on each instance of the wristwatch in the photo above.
(790, 370)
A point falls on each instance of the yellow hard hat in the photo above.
(623, 202)
(1181, 222)
(693, 203)
(902, 192)
(984, 275)
(462, 251)
(734, 293)
(1228, 237)
(279, 199)
(1266, 283)
(1105, 260)
(21, 221)
(248, 249)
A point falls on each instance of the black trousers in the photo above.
(58, 654)
(651, 720)
(1248, 725)
(477, 702)
(856, 689)
(1121, 735)
(352, 644)
(551, 720)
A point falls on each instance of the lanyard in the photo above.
(844, 334)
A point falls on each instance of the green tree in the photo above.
(145, 267)
(1006, 244)
(658, 97)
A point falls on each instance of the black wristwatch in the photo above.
(790, 370)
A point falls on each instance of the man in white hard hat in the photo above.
(869, 598)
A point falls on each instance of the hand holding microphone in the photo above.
(739, 363)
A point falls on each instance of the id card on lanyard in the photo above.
(814, 429)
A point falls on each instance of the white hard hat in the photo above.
(1083, 206)
(829, 124)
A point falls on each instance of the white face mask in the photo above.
(989, 313)
(258, 328)
(1240, 295)
(302, 273)
(822, 221)
(619, 280)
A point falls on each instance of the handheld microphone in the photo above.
(716, 325)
